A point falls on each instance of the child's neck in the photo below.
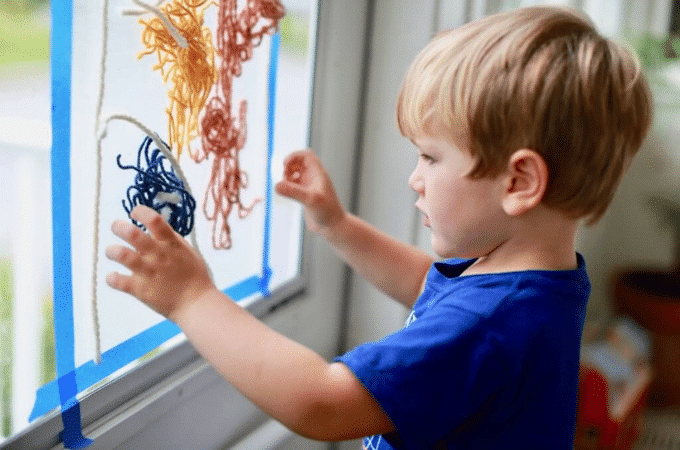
(543, 241)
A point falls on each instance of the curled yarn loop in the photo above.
(159, 188)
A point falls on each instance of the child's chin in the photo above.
(443, 251)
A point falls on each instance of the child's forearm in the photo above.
(288, 381)
(396, 268)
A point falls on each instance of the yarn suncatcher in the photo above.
(158, 187)
(89, 181)
(190, 69)
(192, 72)
(223, 133)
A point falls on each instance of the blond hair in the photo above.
(540, 78)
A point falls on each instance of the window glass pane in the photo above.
(26, 328)
(269, 238)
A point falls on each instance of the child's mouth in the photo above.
(426, 218)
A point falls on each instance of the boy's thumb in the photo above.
(291, 190)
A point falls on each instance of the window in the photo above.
(131, 337)
(26, 332)
(26, 329)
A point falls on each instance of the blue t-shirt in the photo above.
(484, 362)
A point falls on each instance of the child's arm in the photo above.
(287, 380)
(397, 269)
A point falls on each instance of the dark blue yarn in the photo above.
(154, 179)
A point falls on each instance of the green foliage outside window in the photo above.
(24, 35)
(48, 362)
(657, 54)
(294, 29)
(21, 6)
(46, 358)
(6, 345)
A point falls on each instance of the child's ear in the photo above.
(526, 180)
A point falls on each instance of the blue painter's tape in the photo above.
(48, 396)
(61, 183)
(265, 280)
(72, 435)
(62, 28)
(245, 288)
(130, 350)
(271, 114)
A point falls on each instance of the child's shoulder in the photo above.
(491, 293)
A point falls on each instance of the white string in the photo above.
(97, 185)
(181, 40)
(136, 12)
(100, 133)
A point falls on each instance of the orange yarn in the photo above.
(223, 136)
(191, 70)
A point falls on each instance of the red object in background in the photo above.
(652, 298)
(600, 426)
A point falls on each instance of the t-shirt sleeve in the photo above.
(435, 377)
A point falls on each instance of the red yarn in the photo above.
(223, 135)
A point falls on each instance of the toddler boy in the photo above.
(524, 123)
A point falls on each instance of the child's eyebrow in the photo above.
(429, 148)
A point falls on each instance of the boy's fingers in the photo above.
(153, 222)
(293, 168)
(133, 235)
(124, 256)
(298, 162)
(292, 190)
(120, 282)
(294, 171)
(298, 154)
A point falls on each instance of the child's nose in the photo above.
(415, 182)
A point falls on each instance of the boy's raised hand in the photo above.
(167, 273)
(306, 180)
(369, 251)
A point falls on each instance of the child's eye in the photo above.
(427, 158)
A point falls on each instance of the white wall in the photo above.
(400, 29)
